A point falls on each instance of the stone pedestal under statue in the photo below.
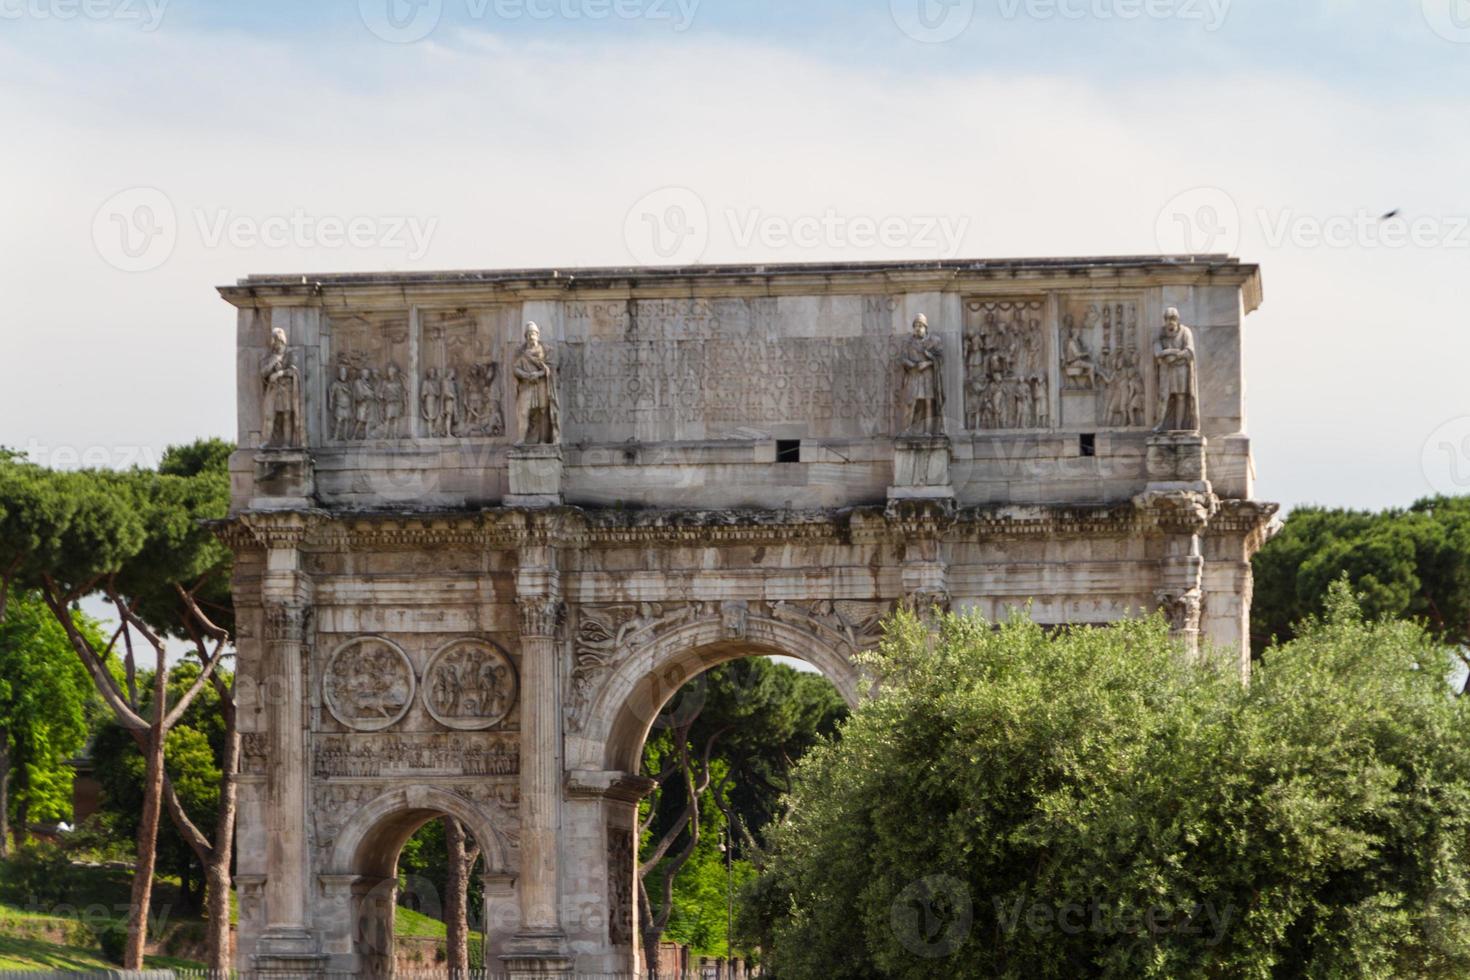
(535, 476)
(284, 480)
(921, 469)
(1176, 461)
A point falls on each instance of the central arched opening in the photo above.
(713, 730)
(390, 917)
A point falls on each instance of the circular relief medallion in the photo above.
(470, 685)
(368, 684)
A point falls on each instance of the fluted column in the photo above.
(287, 946)
(540, 943)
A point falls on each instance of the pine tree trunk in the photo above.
(147, 830)
(4, 793)
(218, 872)
(456, 900)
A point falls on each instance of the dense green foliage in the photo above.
(1015, 804)
(46, 705)
(1405, 564)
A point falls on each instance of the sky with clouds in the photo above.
(154, 149)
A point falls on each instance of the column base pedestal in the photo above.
(288, 955)
(538, 955)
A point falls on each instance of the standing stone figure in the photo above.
(339, 401)
(363, 392)
(449, 404)
(923, 381)
(537, 409)
(1178, 376)
(429, 399)
(281, 415)
(392, 402)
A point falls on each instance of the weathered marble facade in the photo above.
(473, 565)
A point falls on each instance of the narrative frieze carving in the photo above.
(368, 684)
(462, 390)
(719, 362)
(470, 685)
(439, 754)
(1007, 384)
(368, 391)
(1102, 362)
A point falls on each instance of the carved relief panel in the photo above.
(470, 685)
(1102, 362)
(368, 684)
(1007, 377)
(463, 387)
(366, 389)
(620, 858)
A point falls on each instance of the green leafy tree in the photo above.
(1409, 564)
(1018, 804)
(137, 538)
(46, 703)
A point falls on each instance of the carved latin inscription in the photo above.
(726, 363)
(470, 685)
(368, 684)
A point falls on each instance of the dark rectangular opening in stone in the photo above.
(788, 451)
(1088, 445)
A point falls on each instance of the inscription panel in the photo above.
(721, 368)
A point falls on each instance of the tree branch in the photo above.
(106, 683)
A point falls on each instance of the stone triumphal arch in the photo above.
(486, 524)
